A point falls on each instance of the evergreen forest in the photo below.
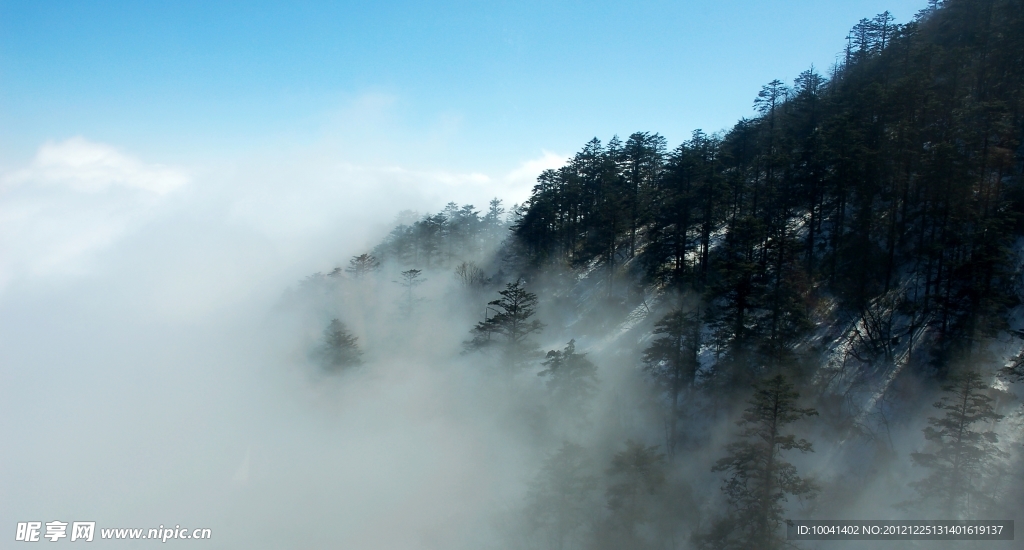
(815, 314)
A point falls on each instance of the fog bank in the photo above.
(155, 373)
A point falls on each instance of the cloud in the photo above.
(473, 187)
(74, 198)
(93, 167)
(459, 179)
(520, 182)
(532, 168)
(437, 187)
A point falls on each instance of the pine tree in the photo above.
(736, 294)
(760, 479)
(429, 234)
(685, 201)
(511, 325)
(410, 280)
(642, 158)
(572, 378)
(964, 454)
(673, 360)
(340, 348)
(361, 265)
(494, 221)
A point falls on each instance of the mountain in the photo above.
(817, 276)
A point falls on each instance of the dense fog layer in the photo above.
(156, 371)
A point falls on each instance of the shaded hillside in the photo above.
(897, 174)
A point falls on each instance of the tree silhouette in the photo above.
(760, 479)
(572, 378)
(340, 348)
(362, 264)
(962, 457)
(410, 279)
(673, 360)
(511, 325)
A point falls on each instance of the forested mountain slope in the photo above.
(730, 328)
(897, 176)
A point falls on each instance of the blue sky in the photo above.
(474, 85)
(310, 125)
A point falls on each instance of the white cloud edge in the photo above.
(92, 167)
